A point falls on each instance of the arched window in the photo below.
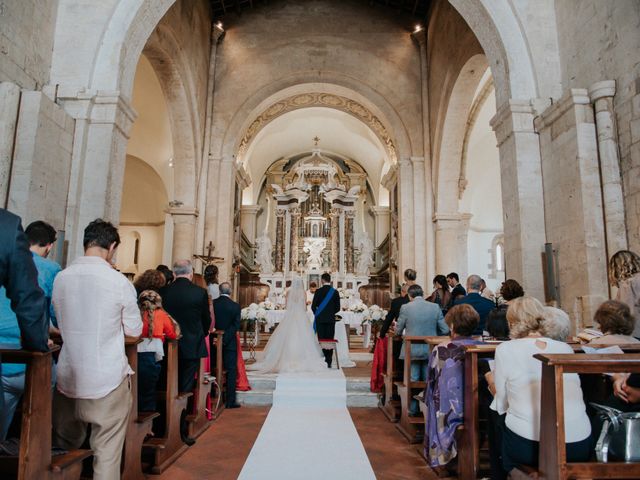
(136, 250)
(497, 256)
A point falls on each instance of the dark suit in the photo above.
(481, 305)
(326, 319)
(394, 311)
(188, 304)
(227, 313)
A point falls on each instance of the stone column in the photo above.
(420, 216)
(406, 209)
(9, 103)
(522, 194)
(248, 219)
(293, 245)
(452, 231)
(103, 123)
(184, 230)
(335, 240)
(601, 95)
(382, 223)
(280, 217)
(573, 202)
(341, 243)
(349, 216)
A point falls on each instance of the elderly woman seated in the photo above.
(516, 386)
(444, 392)
(616, 324)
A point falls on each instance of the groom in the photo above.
(325, 305)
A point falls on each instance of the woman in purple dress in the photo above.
(444, 393)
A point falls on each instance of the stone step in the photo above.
(255, 397)
(362, 399)
(358, 385)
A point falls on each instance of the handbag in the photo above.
(620, 434)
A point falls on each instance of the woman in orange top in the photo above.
(157, 325)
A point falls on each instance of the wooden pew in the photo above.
(197, 420)
(34, 461)
(216, 400)
(166, 449)
(392, 375)
(412, 427)
(140, 423)
(553, 463)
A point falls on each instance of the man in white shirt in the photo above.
(96, 307)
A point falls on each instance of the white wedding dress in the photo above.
(293, 347)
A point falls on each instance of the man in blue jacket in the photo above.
(482, 305)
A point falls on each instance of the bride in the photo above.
(293, 347)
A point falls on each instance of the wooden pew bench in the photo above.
(412, 427)
(197, 420)
(553, 463)
(35, 461)
(140, 423)
(217, 367)
(167, 449)
(392, 375)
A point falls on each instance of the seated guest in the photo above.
(441, 294)
(457, 290)
(156, 326)
(419, 318)
(556, 325)
(497, 325)
(473, 298)
(624, 273)
(444, 393)
(516, 385)
(149, 280)
(616, 324)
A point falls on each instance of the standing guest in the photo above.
(516, 385)
(156, 326)
(23, 319)
(457, 290)
(616, 324)
(410, 276)
(168, 274)
(418, 318)
(473, 298)
(486, 292)
(188, 304)
(149, 280)
(394, 310)
(624, 273)
(325, 305)
(227, 313)
(96, 307)
(211, 277)
(441, 294)
(444, 393)
(497, 325)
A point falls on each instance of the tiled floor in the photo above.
(222, 450)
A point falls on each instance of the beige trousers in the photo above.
(108, 417)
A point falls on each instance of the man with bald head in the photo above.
(188, 304)
(477, 301)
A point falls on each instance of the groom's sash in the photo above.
(322, 306)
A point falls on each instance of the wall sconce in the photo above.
(170, 162)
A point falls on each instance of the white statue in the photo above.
(366, 255)
(314, 247)
(263, 255)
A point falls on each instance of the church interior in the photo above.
(282, 139)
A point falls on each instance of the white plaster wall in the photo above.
(150, 250)
(481, 259)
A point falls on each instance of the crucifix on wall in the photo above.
(209, 258)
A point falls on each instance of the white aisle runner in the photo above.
(308, 433)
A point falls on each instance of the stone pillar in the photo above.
(601, 95)
(452, 231)
(293, 245)
(103, 123)
(248, 219)
(420, 217)
(184, 230)
(573, 202)
(341, 243)
(335, 240)
(349, 216)
(522, 194)
(382, 223)
(406, 246)
(9, 103)
(280, 239)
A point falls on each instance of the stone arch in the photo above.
(164, 53)
(452, 125)
(283, 94)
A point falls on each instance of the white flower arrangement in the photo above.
(377, 313)
(267, 305)
(250, 312)
(358, 307)
(345, 294)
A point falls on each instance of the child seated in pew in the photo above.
(157, 325)
(444, 392)
(516, 383)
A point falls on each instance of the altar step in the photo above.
(262, 387)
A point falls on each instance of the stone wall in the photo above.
(600, 41)
(26, 41)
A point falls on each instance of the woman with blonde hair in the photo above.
(624, 273)
(516, 383)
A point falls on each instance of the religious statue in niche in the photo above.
(264, 253)
(366, 255)
(314, 247)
